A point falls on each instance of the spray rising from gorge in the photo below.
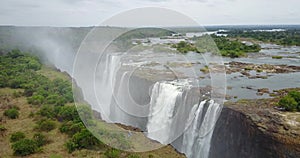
(174, 110)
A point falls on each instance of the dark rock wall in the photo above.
(236, 136)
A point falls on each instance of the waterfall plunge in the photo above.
(199, 124)
(165, 112)
(197, 137)
(107, 84)
(162, 105)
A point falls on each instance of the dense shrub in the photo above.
(112, 153)
(71, 146)
(55, 100)
(295, 95)
(40, 139)
(24, 147)
(12, 113)
(68, 113)
(290, 102)
(45, 125)
(36, 99)
(18, 70)
(82, 140)
(49, 111)
(71, 127)
(17, 136)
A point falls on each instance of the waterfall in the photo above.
(163, 122)
(190, 135)
(162, 105)
(107, 84)
(197, 137)
(173, 110)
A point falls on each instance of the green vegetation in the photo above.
(224, 46)
(276, 57)
(234, 48)
(11, 113)
(289, 37)
(2, 128)
(205, 69)
(40, 139)
(71, 128)
(290, 102)
(24, 147)
(17, 136)
(19, 71)
(82, 140)
(185, 47)
(47, 103)
(112, 153)
(45, 125)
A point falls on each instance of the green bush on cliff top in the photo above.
(290, 102)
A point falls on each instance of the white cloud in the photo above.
(92, 12)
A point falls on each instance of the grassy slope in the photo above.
(56, 148)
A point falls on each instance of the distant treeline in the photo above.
(217, 45)
(288, 37)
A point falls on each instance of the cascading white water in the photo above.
(170, 114)
(199, 125)
(107, 84)
(197, 137)
(190, 134)
(162, 104)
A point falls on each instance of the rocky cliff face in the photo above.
(240, 134)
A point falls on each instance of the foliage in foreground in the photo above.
(17, 136)
(112, 153)
(19, 70)
(50, 98)
(11, 113)
(82, 140)
(45, 125)
(24, 147)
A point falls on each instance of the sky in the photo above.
(65, 13)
